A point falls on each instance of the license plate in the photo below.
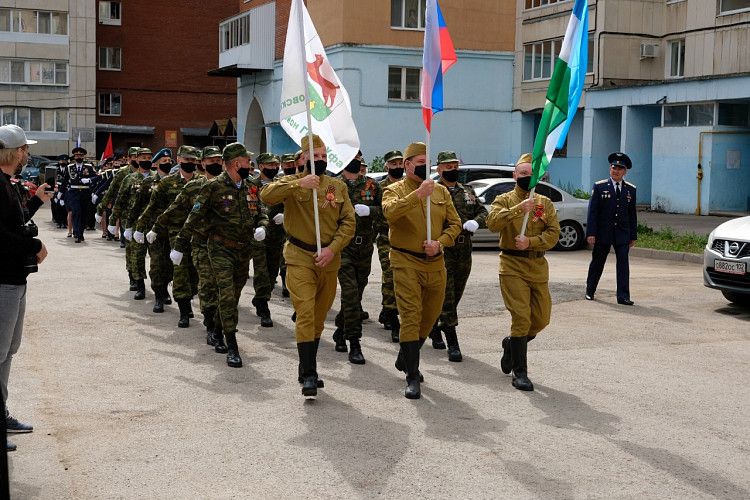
(724, 266)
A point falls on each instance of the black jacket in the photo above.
(14, 246)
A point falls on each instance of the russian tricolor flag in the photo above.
(439, 55)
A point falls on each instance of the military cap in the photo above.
(79, 149)
(133, 151)
(297, 155)
(63, 158)
(317, 142)
(414, 149)
(267, 158)
(286, 158)
(234, 150)
(446, 157)
(144, 151)
(162, 153)
(199, 153)
(393, 155)
(211, 152)
(187, 152)
(524, 158)
(620, 159)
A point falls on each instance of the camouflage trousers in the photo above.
(356, 262)
(458, 265)
(261, 281)
(185, 276)
(160, 267)
(229, 268)
(386, 288)
(207, 294)
(136, 260)
(274, 258)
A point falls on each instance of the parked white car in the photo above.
(571, 211)
(726, 260)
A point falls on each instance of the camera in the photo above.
(30, 230)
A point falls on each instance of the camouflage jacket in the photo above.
(111, 195)
(126, 198)
(173, 218)
(163, 193)
(365, 191)
(276, 233)
(379, 222)
(467, 205)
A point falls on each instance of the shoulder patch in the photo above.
(197, 206)
(630, 184)
(603, 181)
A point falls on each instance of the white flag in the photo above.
(329, 102)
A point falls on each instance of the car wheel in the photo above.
(741, 299)
(571, 236)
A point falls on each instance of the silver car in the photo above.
(571, 211)
(726, 260)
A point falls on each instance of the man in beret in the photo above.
(524, 274)
(311, 275)
(612, 221)
(394, 166)
(228, 210)
(418, 264)
(79, 176)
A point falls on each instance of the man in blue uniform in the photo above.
(612, 221)
(79, 178)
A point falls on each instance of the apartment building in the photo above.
(669, 84)
(47, 71)
(376, 50)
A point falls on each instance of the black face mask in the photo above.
(290, 171)
(214, 169)
(450, 175)
(524, 182)
(165, 167)
(353, 166)
(145, 164)
(244, 173)
(133, 163)
(396, 173)
(320, 167)
(421, 171)
(270, 172)
(188, 167)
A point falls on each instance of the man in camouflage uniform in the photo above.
(394, 163)
(108, 202)
(135, 254)
(356, 260)
(458, 257)
(262, 284)
(228, 209)
(288, 167)
(268, 164)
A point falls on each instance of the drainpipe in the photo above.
(699, 176)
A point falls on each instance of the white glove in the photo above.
(151, 236)
(97, 218)
(128, 234)
(111, 229)
(260, 234)
(278, 219)
(362, 210)
(138, 237)
(85, 180)
(175, 257)
(471, 225)
(59, 195)
(94, 199)
(62, 203)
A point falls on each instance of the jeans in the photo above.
(12, 310)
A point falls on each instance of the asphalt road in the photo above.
(650, 401)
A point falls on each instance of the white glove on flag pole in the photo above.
(329, 102)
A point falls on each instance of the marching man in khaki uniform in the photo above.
(524, 273)
(419, 273)
(312, 277)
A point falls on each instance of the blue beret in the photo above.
(162, 153)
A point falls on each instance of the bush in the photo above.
(668, 239)
(377, 165)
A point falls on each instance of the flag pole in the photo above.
(310, 148)
(429, 211)
(526, 217)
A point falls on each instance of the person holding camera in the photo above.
(20, 252)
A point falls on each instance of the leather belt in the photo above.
(78, 187)
(358, 240)
(419, 255)
(305, 246)
(234, 245)
(529, 254)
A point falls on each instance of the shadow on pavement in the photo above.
(738, 312)
(537, 483)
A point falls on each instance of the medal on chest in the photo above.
(226, 203)
(538, 212)
(252, 199)
(330, 197)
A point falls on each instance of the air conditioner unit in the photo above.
(648, 50)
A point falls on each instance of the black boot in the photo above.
(209, 323)
(355, 352)
(411, 360)
(518, 346)
(454, 352)
(284, 290)
(217, 338)
(190, 313)
(140, 290)
(437, 338)
(158, 299)
(300, 378)
(309, 372)
(133, 284)
(401, 361)
(262, 311)
(165, 294)
(338, 337)
(506, 364)
(184, 305)
(233, 353)
(395, 328)
(385, 318)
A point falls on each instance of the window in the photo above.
(33, 21)
(234, 33)
(403, 83)
(33, 72)
(675, 116)
(734, 114)
(36, 120)
(110, 104)
(493, 192)
(110, 58)
(692, 115)
(676, 59)
(539, 58)
(408, 14)
(532, 4)
(732, 6)
(109, 13)
(701, 114)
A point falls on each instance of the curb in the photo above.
(651, 253)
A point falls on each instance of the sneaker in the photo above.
(10, 445)
(13, 426)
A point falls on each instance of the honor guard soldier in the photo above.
(356, 260)
(59, 212)
(228, 210)
(418, 264)
(311, 276)
(524, 273)
(458, 257)
(394, 165)
(268, 164)
(80, 174)
(612, 221)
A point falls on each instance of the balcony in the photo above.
(247, 42)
